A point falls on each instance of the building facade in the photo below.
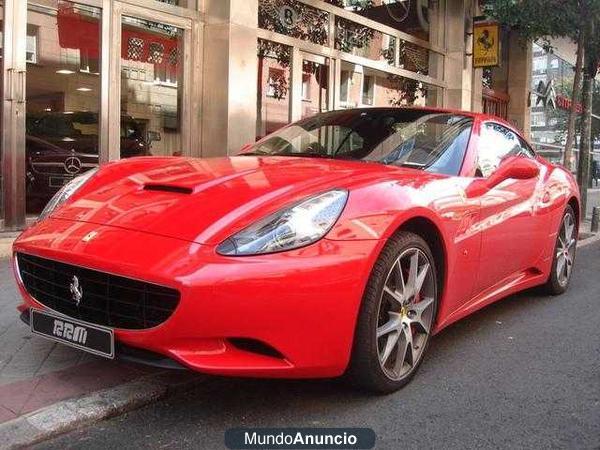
(552, 77)
(90, 81)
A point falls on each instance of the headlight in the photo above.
(297, 226)
(65, 192)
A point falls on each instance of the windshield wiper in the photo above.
(414, 165)
(254, 154)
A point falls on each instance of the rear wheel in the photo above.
(396, 317)
(564, 254)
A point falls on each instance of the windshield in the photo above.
(432, 141)
(77, 125)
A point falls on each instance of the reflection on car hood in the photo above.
(205, 200)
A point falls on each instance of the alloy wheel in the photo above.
(406, 312)
(565, 249)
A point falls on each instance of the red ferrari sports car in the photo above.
(336, 245)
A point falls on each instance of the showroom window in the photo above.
(368, 88)
(151, 72)
(315, 86)
(273, 107)
(63, 101)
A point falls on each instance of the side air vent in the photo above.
(168, 188)
(255, 346)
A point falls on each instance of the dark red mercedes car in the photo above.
(60, 146)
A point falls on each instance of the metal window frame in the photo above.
(296, 111)
(13, 115)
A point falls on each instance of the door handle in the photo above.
(16, 91)
(10, 78)
(22, 81)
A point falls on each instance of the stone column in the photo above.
(229, 76)
(457, 66)
(519, 83)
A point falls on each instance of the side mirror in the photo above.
(513, 167)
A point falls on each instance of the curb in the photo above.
(68, 415)
(594, 237)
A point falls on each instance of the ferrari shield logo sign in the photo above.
(486, 44)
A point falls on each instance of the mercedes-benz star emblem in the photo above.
(76, 290)
(72, 164)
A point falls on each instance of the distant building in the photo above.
(551, 90)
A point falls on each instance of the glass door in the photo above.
(151, 88)
(62, 119)
(315, 85)
(152, 84)
(273, 89)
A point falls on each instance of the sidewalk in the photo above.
(47, 388)
(593, 200)
(6, 240)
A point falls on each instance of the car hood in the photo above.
(206, 200)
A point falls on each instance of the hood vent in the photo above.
(168, 188)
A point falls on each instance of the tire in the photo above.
(557, 283)
(373, 366)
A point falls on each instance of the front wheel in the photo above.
(564, 254)
(396, 316)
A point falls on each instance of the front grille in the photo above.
(56, 168)
(49, 168)
(106, 299)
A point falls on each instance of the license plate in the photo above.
(82, 335)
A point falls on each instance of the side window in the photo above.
(496, 142)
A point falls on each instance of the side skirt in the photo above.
(510, 285)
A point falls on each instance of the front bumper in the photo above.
(302, 304)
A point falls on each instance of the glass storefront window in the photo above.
(151, 85)
(295, 19)
(315, 87)
(63, 96)
(362, 86)
(273, 100)
(350, 85)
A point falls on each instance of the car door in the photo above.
(510, 228)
